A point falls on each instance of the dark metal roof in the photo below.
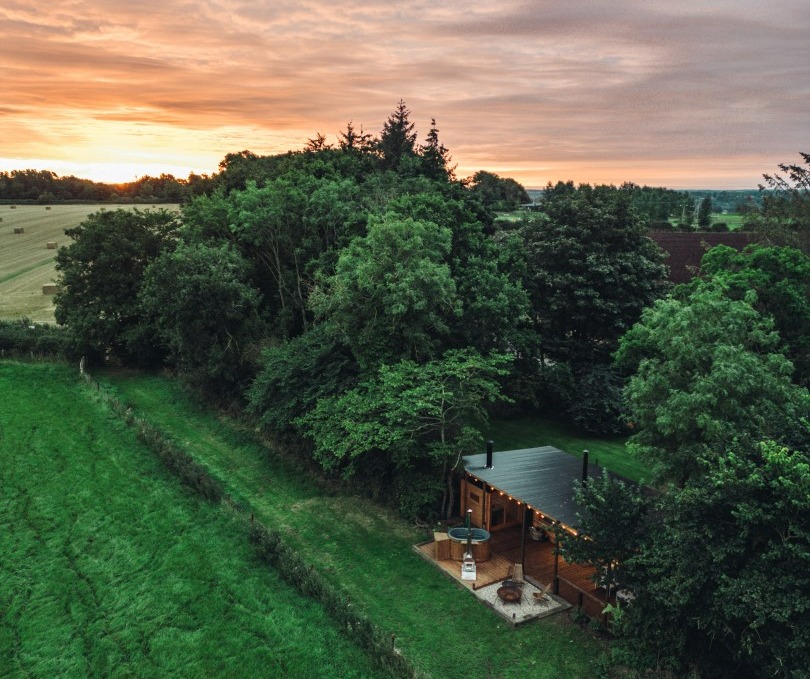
(542, 478)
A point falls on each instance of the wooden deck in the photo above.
(574, 584)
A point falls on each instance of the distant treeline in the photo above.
(664, 208)
(44, 186)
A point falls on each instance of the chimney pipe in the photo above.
(490, 444)
(584, 466)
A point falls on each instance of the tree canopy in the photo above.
(204, 311)
(100, 273)
(780, 277)
(590, 270)
(721, 578)
(784, 216)
(405, 409)
(706, 372)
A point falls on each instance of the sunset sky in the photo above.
(683, 93)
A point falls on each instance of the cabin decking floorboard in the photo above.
(538, 567)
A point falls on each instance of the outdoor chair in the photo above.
(542, 595)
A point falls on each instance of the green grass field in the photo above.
(26, 264)
(365, 551)
(734, 221)
(110, 568)
(531, 432)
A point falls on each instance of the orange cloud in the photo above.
(682, 94)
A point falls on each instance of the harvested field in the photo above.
(30, 236)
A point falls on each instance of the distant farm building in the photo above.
(686, 249)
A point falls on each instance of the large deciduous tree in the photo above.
(100, 274)
(722, 582)
(417, 416)
(590, 270)
(498, 193)
(785, 213)
(295, 374)
(780, 276)
(706, 372)
(392, 293)
(205, 312)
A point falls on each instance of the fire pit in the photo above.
(510, 592)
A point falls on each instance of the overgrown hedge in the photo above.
(23, 339)
(268, 543)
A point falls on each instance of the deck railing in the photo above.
(591, 605)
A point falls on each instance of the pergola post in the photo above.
(557, 565)
(523, 537)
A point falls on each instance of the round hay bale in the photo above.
(51, 245)
(13, 207)
(19, 229)
(48, 207)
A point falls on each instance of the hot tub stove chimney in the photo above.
(490, 444)
(468, 569)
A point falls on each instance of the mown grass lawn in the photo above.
(110, 568)
(366, 551)
(531, 432)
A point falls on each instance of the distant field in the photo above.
(26, 264)
(734, 221)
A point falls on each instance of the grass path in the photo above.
(441, 629)
(110, 568)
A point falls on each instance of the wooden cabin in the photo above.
(502, 487)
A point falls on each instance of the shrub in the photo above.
(22, 338)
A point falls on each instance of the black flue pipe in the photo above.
(584, 466)
(490, 445)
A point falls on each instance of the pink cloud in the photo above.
(634, 87)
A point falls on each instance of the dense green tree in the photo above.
(207, 219)
(704, 215)
(285, 228)
(784, 216)
(589, 270)
(435, 156)
(397, 141)
(100, 274)
(610, 527)
(595, 404)
(295, 374)
(392, 293)
(502, 194)
(780, 276)
(205, 311)
(419, 416)
(707, 372)
(722, 582)
(492, 303)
